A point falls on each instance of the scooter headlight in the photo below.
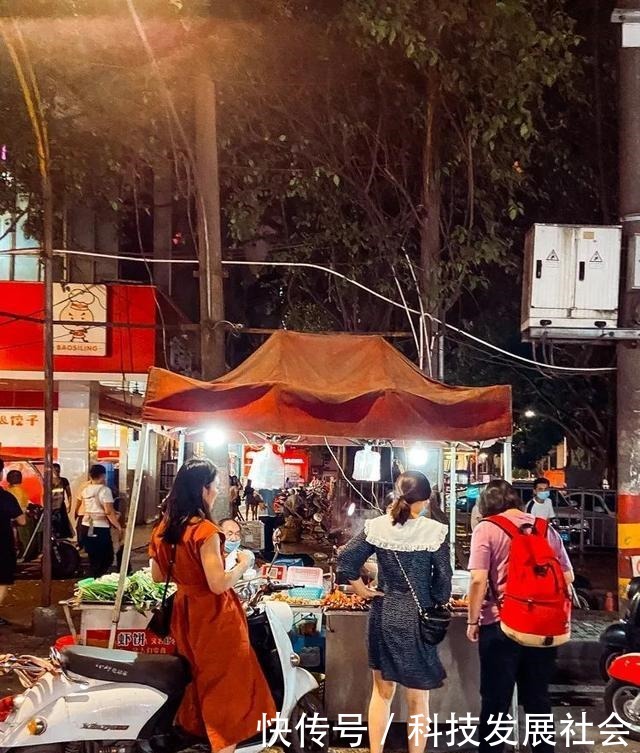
(37, 726)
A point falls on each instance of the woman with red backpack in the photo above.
(519, 608)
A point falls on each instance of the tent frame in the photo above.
(141, 468)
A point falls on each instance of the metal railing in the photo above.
(588, 514)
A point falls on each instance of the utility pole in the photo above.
(212, 350)
(28, 83)
(47, 199)
(628, 353)
(212, 343)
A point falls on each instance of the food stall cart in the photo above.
(337, 390)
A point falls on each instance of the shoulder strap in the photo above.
(406, 577)
(505, 525)
(530, 504)
(541, 527)
(169, 573)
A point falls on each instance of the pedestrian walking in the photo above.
(10, 514)
(96, 500)
(541, 505)
(504, 662)
(14, 487)
(252, 501)
(414, 574)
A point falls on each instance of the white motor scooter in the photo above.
(109, 701)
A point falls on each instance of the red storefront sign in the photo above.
(129, 349)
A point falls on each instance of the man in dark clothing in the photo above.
(10, 513)
(62, 483)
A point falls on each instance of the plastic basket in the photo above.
(64, 641)
(307, 592)
(304, 576)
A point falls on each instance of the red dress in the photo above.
(228, 694)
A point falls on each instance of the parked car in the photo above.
(599, 521)
(595, 509)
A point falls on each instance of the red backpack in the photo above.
(535, 609)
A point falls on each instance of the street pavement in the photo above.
(577, 687)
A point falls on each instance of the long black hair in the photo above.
(185, 498)
(411, 487)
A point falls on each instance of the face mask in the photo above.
(231, 546)
(543, 495)
(423, 513)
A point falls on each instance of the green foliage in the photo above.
(356, 116)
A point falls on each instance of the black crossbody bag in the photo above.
(160, 623)
(434, 621)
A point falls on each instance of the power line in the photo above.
(380, 296)
(310, 265)
(96, 255)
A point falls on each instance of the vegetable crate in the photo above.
(131, 635)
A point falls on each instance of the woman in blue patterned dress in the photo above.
(397, 653)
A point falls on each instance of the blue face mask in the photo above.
(231, 546)
(543, 495)
(423, 513)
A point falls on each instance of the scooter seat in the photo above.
(168, 674)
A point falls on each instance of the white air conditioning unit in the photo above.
(571, 278)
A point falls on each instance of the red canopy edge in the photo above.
(349, 386)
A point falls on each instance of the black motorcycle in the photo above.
(65, 558)
(623, 636)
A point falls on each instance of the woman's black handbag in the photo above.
(160, 623)
(434, 621)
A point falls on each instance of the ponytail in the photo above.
(411, 487)
(400, 511)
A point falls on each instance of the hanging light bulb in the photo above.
(418, 456)
(215, 436)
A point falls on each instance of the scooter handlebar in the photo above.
(275, 587)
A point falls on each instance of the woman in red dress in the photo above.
(228, 694)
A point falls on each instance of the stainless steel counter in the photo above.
(348, 677)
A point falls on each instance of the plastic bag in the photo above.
(366, 466)
(267, 469)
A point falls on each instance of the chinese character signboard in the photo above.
(79, 308)
(24, 428)
(141, 641)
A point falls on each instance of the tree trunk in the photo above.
(430, 246)
(162, 223)
(212, 353)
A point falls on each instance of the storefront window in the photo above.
(5, 266)
(26, 268)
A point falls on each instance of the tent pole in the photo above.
(441, 472)
(452, 505)
(182, 440)
(507, 473)
(507, 460)
(130, 529)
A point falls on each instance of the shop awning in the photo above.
(340, 386)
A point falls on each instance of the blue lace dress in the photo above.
(396, 648)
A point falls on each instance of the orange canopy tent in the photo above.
(339, 386)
